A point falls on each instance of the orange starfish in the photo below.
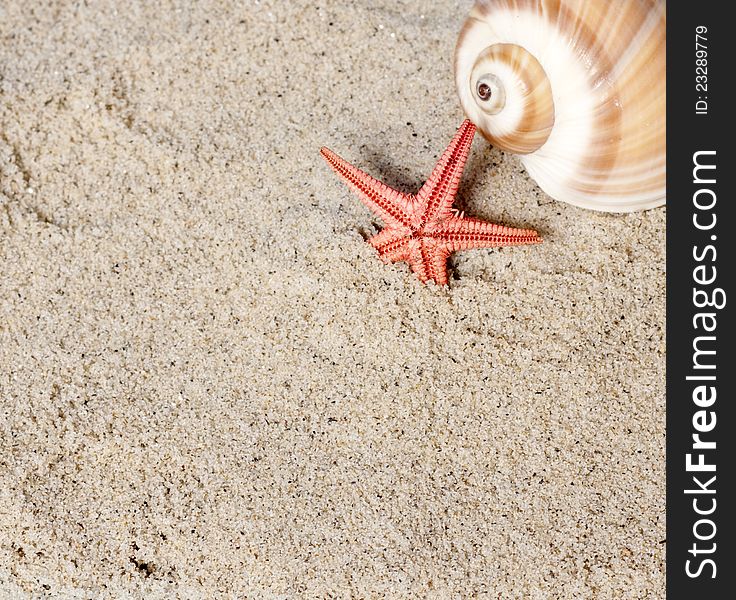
(424, 229)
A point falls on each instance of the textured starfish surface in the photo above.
(424, 229)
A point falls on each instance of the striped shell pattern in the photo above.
(577, 88)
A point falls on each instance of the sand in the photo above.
(209, 385)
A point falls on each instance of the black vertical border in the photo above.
(688, 133)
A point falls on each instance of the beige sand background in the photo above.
(211, 388)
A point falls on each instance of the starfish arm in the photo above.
(463, 234)
(387, 236)
(428, 260)
(438, 193)
(388, 204)
(394, 250)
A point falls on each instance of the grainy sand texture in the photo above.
(209, 385)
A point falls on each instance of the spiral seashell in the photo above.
(577, 88)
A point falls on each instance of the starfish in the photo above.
(424, 229)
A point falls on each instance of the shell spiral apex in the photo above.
(577, 87)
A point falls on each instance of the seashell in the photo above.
(577, 88)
